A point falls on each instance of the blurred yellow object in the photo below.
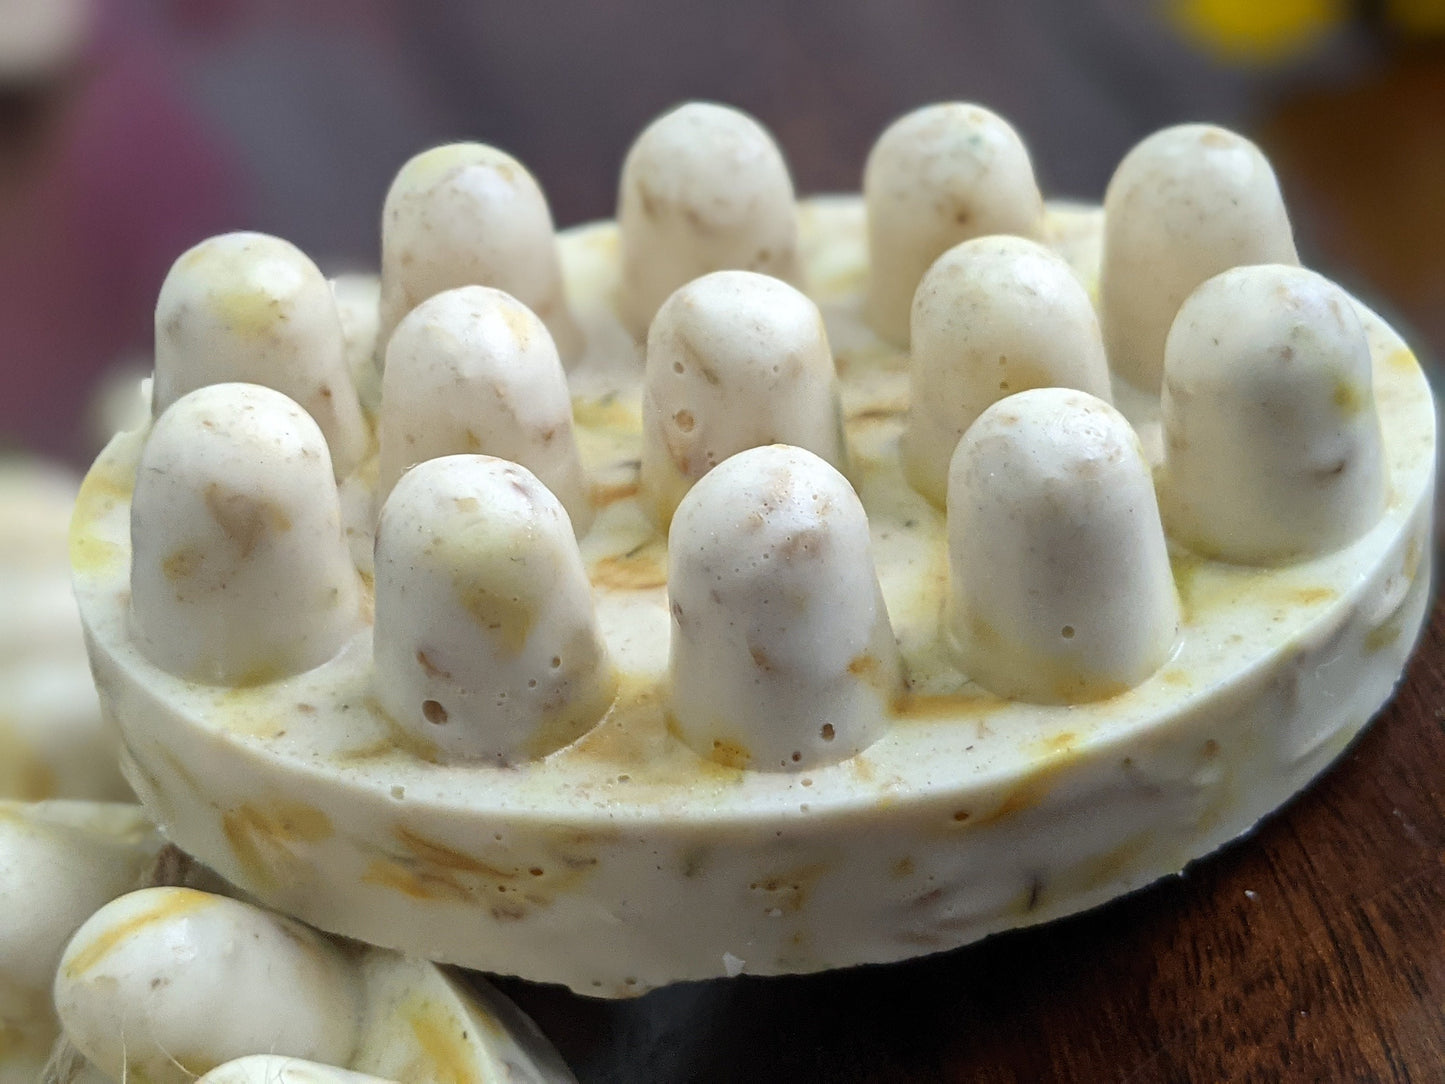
(1261, 31)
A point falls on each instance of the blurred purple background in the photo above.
(175, 119)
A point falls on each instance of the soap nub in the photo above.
(253, 309)
(735, 360)
(465, 214)
(1185, 204)
(782, 657)
(1272, 443)
(938, 176)
(1060, 589)
(276, 1069)
(60, 862)
(240, 571)
(473, 370)
(166, 983)
(992, 317)
(486, 643)
(358, 303)
(704, 188)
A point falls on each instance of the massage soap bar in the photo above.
(820, 702)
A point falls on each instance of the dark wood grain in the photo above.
(1311, 950)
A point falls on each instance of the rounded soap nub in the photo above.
(940, 175)
(466, 214)
(1185, 204)
(240, 571)
(992, 317)
(1271, 439)
(1061, 589)
(59, 863)
(703, 189)
(486, 640)
(735, 360)
(246, 307)
(358, 303)
(165, 984)
(276, 1069)
(783, 657)
(473, 370)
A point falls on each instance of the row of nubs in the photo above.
(736, 356)
(1272, 443)
(485, 636)
(705, 188)
(486, 642)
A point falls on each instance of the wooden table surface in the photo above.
(1312, 950)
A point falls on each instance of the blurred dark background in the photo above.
(130, 129)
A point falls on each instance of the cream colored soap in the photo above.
(423, 1023)
(993, 316)
(465, 214)
(1061, 590)
(486, 637)
(735, 359)
(704, 188)
(473, 370)
(53, 742)
(936, 177)
(279, 1069)
(164, 984)
(1271, 437)
(782, 654)
(1185, 204)
(169, 984)
(241, 571)
(1009, 712)
(59, 862)
(358, 299)
(252, 308)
